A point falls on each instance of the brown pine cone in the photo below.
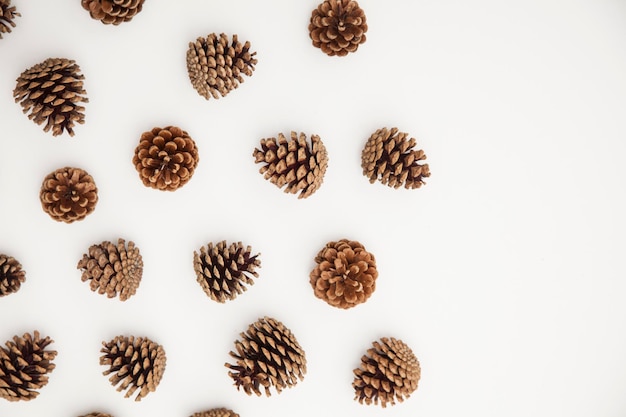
(216, 412)
(112, 269)
(11, 275)
(112, 11)
(390, 371)
(293, 162)
(215, 64)
(136, 362)
(52, 92)
(7, 14)
(268, 354)
(24, 366)
(68, 194)
(97, 415)
(166, 158)
(338, 27)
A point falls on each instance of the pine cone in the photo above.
(51, 91)
(389, 372)
(7, 14)
(390, 158)
(223, 271)
(293, 162)
(338, 27)
(97, 415)
(24, 365)
(11, 275)
(112, 269)
(68, 194)
(268, 354)
(166, 158)
(112, 11)
(138, 363)
(215, 64)
(216, 412)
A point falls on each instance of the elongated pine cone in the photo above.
(268, 355)
(389, 157)
(24, 366)
(52, 92)
(97, 415)
(216, 64)
(112, 11)
(216, 412)
(114, 269)
(11, 275)
(345, 274)
(338, 27)
(390, 371)
(7, 14)
(293, 162)
(135, 363)
(166, 158)
(68, 194)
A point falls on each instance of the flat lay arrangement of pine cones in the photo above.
(68, 194)
(11, 275)
(338, 27)
(112, 12)
(8, 13)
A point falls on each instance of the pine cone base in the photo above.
(338, 27)
(11, 275)
(112, 12)
(68, 194)
(216, 412)
(7, 16)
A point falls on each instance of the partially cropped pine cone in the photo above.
(97, 415)
(338, 27)
(390, 371)
(11, 275)
(216, 412)
(112, 11)
(293, 162)
(389, 157)
(52, 92)
(68, 194)
(24, 366)
(7, 14)
(114, 269)
(268, 355)
(166, 158)
(216, 64)
(136, 363)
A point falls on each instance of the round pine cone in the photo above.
(24, 365)
(7, 14)
(112, 269)
(293, 162)
(338, 27)
(11, 275)
(389, 157)
(97, 415)
(136, 362)
(112, 11)
(68, 194)
(215, 64)
(216, 412)
(345, 274)
(389, 372)
(268, 354)
(166, 158)
(52, 92)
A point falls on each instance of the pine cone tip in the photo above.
(338, 27)
(68, 194)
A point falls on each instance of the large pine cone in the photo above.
(389, 157)
(345, 274)
(7, 14)
(293, 162)
(216, 65)
(112, 269)
(112, 11)
(135, 363)
(24, 366)
(52, 92)
(268, 354)
(216, 412)
(338, 27)
(11, 275)
(97, 415)
(390, 371)
(68, 194)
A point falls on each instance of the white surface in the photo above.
(505, 273)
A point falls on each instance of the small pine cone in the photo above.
(338, 27)
(112, 11)
(52, 91)
(268, 354)
(345, 274)
(389, 157)
(216, 412)
(24, 365)
(216, 65)
(11, 275)
(224, 271)
(136, 362)
(389, 372)
(166, 158)
(68, 194)
(293, 162)
(97, 415)
(112, 269)
(7, 14)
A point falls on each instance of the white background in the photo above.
(504, 274)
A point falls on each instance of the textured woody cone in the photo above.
(112, 269)
(338, 27)
(216, 64)
(97, 415)
(136, 363)
(389, 157)
(268, 355)
(216, 412)
(390, 371)
(24, 366)
(68, 194)
(52, 92)
(345, 274)
(11, 275)
(7, 14)
(112, 11)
